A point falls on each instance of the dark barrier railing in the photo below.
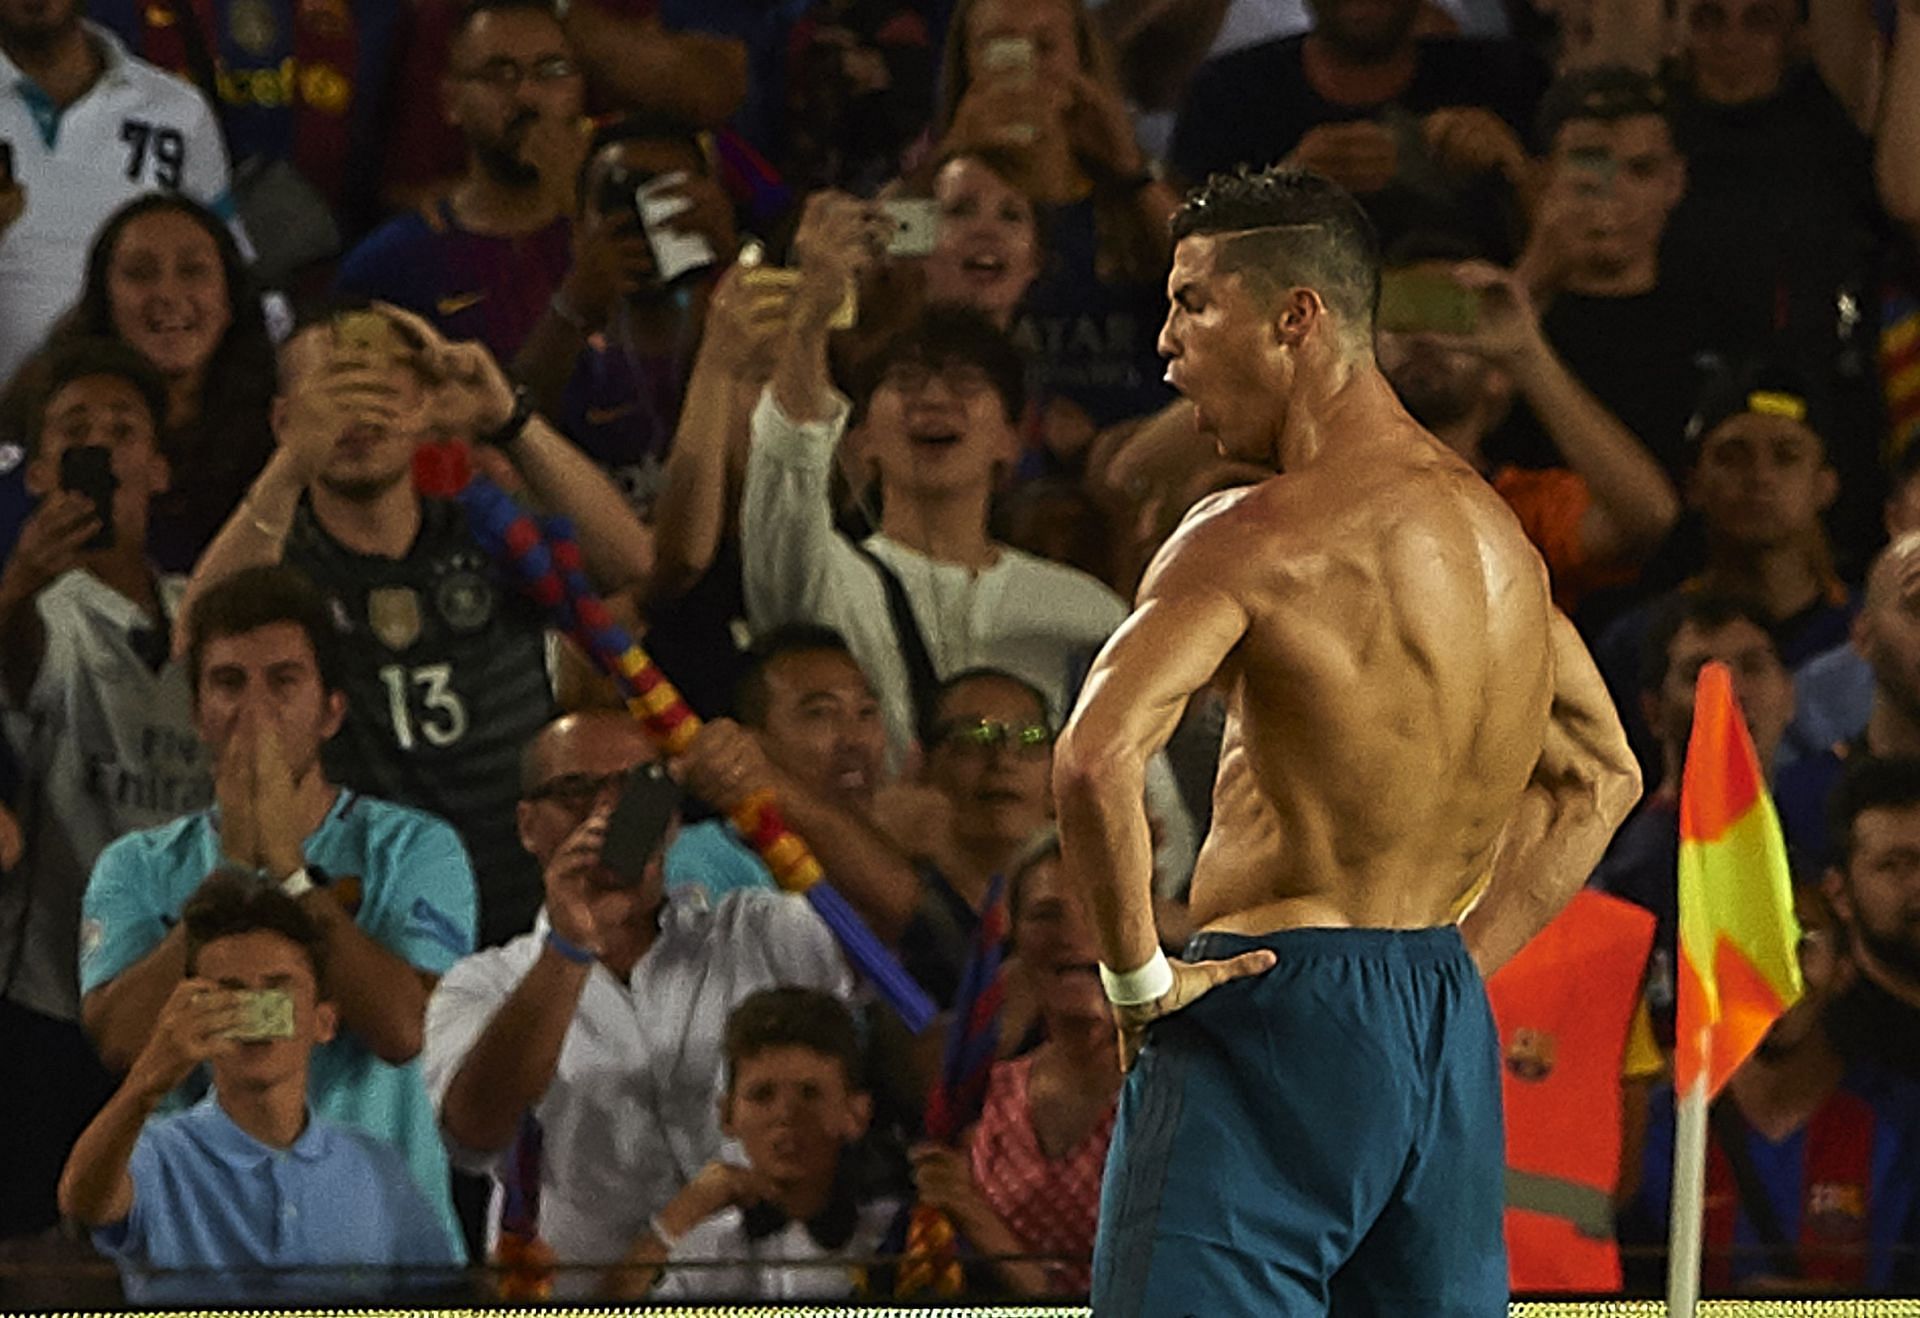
(68, 1285)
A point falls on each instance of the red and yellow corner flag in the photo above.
(1739, 968)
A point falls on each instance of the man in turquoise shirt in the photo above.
(250, 1195)
(389, 887)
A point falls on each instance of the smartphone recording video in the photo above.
(655, 201)
(87, 469)
(1426, 302)
(916, 225)
(639, 823)
(366, 334)
(265, 1014)
(1013, 56)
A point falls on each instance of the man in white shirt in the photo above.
(936, 412)
(606, 1024)
(90, 128)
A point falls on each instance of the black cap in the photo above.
(1606, 91)
(1767, 386)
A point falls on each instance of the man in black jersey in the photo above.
(446, 673)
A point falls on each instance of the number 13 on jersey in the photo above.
(439, 715)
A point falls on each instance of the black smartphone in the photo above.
(640, 820)
(6, 163)
(88, 469)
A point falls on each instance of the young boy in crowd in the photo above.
(249, 1195)
(796, 1105)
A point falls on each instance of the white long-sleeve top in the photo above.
(1041, 621)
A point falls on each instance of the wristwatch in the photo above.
(304, 880)
(508, 431)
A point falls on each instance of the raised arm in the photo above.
(1846, 48)
(838, 239)
(96, 1187)
(794, 564)
(1634, 504)
(512, 1062)
(317, 408)
(472, 397)
(1188, 621)
(745, 320)
(48, 548)
(726, 766)
(1583, 785)
(643, 64)
(512, 1059)
(611, 260)
(120, 1013)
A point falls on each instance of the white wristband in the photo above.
(1138, 987)
(661, 1233)
(298, 884)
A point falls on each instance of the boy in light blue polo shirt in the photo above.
(389, 887)
(249, 1196)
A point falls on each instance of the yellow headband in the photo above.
(1769, 402)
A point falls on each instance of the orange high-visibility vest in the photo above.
(1564, 1006)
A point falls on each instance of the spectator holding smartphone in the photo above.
(932, 593)
(605, 1025)
(1460, 342)
(610, 357)
(185, 1194)
(446, 671)
(1424, 129)
(105, 732)
(166, 277)
(1032, 83)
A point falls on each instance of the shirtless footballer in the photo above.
(1312, 1122)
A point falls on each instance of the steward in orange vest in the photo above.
(1564, 1007)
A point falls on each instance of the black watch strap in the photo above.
(515, 424)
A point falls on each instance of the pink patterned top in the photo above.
(1051, 1204)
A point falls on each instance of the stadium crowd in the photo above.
(356, 940)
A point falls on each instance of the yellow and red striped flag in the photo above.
(1739, 967)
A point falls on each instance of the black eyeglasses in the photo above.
(961, 378)
(988, 734)
(576, 791)
(506, 74)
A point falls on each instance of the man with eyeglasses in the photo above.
(484, 262)
(605, 1025)
(934, 414)
(988, 758)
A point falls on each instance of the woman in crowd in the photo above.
(1029, 1182)
(166, 277)
(1032, 82)
(987, 252)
